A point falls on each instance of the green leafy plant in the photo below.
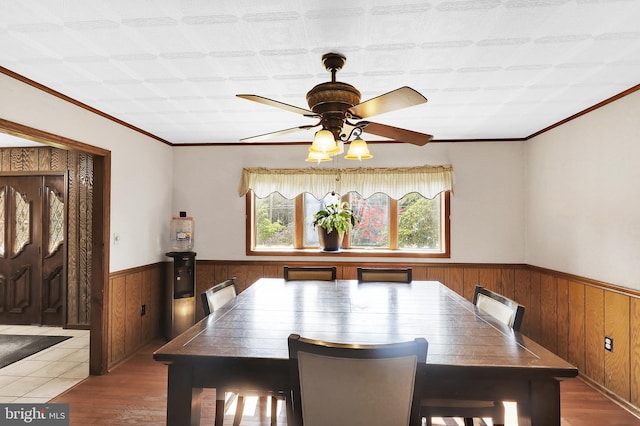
(338, 216)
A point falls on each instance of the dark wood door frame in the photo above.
(101, 210)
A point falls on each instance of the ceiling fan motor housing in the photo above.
(332, 99)
(332, 96)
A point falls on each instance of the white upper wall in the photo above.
(567, 200)
(487, 207)
(141, 168)
(583, 195)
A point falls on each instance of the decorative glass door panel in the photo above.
(22, 214)
(56, 222)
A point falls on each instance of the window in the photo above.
(413, 226)
(404, 211)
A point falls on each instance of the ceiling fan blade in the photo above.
(278, 104)
(272, 135)
(401, 135)
(403, 97)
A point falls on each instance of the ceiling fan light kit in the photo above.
(317, 157)
(323, 141)
(335, 103)
(358, 150)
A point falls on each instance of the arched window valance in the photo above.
(396, 182)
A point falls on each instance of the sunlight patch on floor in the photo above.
(251, 410)
(251, 407)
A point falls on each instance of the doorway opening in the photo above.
(96, 301)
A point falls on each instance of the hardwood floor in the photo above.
(135, 393)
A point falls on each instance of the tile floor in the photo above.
(48, 373)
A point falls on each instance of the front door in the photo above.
(31, 254)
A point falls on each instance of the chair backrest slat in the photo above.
(503, 309)
(398, 275)
(219, 295)
(320, 273)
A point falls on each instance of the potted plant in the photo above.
(332, 222)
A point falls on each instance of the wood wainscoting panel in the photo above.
(508, 283)
(634, 324)
(272, 270)
(549, 312)
(454, 279)
(533, 313)
(522, 295)
(350, 272)
(205, 278)
(221, 273)
(133, 323)
(594, 333)
(118, 299)
(419, 273)
(128, 329)
(470, 278)
(240, 272)
(616, 325)
(254, 273)
(576, 343)
(562, 313)
(152, 298)
(490, 278)
(435, 273)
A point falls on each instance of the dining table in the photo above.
(470, 354)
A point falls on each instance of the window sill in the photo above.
(348, 253)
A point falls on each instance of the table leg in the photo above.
(183, 400)
(545, 402)
(542, 407)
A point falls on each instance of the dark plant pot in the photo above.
(329, 241)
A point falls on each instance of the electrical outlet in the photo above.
(143, 310)
(608, 343)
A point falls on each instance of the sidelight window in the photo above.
(22, 223)
(56, 222)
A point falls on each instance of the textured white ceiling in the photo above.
(490, 68)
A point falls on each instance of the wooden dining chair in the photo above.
(219, 295)
(213, 299)
(399, 275)
(505, 311)
(321, 273)
(355, 384)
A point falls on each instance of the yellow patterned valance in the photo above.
(396, 182)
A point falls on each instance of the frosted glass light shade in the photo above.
(323, 142)
(339, 149)
(317, 157)
(358, 150)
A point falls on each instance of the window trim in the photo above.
(445, 218)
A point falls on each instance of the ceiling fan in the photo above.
(338, 108)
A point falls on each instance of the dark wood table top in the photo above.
(257, 323)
